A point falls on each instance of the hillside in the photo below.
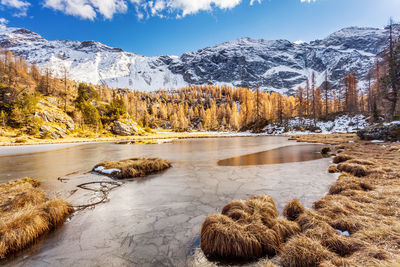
(277, 65)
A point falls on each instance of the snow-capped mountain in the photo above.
(272, 65)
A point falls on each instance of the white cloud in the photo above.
(88, 9)
(252, 2)
(3, 21)
(183, 8)
(21, 5)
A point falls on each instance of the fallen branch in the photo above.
(104, 190)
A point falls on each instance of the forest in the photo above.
(206, 107)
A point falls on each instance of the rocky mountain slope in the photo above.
(277, 65)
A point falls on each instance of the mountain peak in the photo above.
(275, 65)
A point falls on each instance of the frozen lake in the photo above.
(156, 221)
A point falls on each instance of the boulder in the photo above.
(125, 128)
(55, 132)
(387, 132)
(51, 113)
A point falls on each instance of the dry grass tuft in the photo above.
(269, 240)
(361, 162)
(302, 251)
(27, 214)
(246, 230)
(286, 228)
(346, 182)
(325, 150)
(222, 237)
(310, 220)
(333, 169)
(334, 242)
(341, 158)
(354, 169)
(137, 167)
(293, 209)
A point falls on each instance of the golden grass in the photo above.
(361, 162)
(348, 182)
(330, 139)
(368, 208)
(222, 237)
(137, 167)
(246, 229)
(293, 209)
(333, 169)
(341, 158)
(285, 228)
(302, 251)
(26, 214)
(354, 169)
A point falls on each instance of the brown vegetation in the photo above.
(341, 158)
(333, 169)
(293, 209)
(325, 150)
(329, 139)
(354, 169)
(26, 214)
(132, 168)
(246, 230)
(346, 182)
(302, 251)
(367, 208)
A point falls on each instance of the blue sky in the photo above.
(173, 27)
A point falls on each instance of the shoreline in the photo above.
(151, 137)
(11, 142)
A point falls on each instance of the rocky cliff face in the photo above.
(277, 65)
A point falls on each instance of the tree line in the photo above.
(207, 107)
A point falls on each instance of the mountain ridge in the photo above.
(275, 65)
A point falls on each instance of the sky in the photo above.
(160, 27)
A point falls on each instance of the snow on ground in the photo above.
(227, 134)
(103, 170)
(342, 124)
(392, 123)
